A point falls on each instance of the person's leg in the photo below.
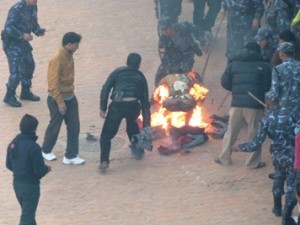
(214, 7)
(26, 80)
(198, 13)
(109, 130)
(235, 123)
(73, 128)
(28, 196)
(53, 128)
(252, 117)
(132, 113)
(175, 10)
(278, 187)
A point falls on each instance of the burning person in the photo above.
(178, 44)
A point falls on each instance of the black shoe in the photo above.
(12, 101)
(138, 153)
(103, 165)
(27, 95)
(271, 176)
(277, 211)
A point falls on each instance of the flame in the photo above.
(166, 119)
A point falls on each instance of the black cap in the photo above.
(164, 22)
(28, 124)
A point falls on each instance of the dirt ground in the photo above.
(183, 189)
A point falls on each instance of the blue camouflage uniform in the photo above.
(177, 51)
(278, 16)
(240, 16)
(22, 18)
(279, 125)
(168, 8)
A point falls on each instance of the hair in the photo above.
(71, 38)
(253, 46)
(134, 60)
(28, 124)
(287, 36)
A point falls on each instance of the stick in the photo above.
(255, 98)
(210, 50)
(51, 29)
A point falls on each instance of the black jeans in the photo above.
(116, 112)
(206, 22)
(71, 119)
(28, 195)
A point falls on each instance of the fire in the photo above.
(166, 119)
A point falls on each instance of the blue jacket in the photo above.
(24, 158)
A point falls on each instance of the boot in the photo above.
(277, 206)
(10, 98)
(287, 215)
(26, 94)
(298, 222)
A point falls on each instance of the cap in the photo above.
(286, 47)
(28, 124)
(164, 22)
(263, 34)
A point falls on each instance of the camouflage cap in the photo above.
(286, 47)
(164, 22)
(263, 34)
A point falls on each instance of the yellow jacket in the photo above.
(61, 76)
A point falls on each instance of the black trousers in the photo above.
(116, 112)
(28, 195)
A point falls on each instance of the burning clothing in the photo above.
(278, 125)
(286, 83)
(177, 50)
(240, 17)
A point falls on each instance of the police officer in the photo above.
(129, 96)
(243, 20)
(178, 44)
(285, 78)
(279, 125)
(21, 22)
(267, 42)
(202, 20)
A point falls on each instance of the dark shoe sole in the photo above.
(15, 105)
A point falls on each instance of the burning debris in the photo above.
(178, 99)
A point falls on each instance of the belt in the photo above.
(129, 99)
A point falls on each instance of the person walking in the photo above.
(62, 101)
(21, 22)
(24, 159)
(247, 74)
(129, 96)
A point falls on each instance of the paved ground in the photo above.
(187, 189)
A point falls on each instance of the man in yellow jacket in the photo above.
(62, 102)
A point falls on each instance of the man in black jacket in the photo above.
(129, 96)
(24, 158)
(248, 75)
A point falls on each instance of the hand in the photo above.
(62, 110)
(102, 114)
(41, 32)
(49, 168)
(235, 149)
(255, 24)
(27, 37)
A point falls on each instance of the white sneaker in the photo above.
(49, 156)
(76, 161)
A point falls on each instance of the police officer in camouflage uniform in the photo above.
(177, 45)
(278, 16)
(169, 8)
(285, 87)
(21, 22)
(243, 20)
(279, 125)
(267, 42)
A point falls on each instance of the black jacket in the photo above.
(24, 158)
(127, 82)
(247, 74)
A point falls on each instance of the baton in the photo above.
(255, 98)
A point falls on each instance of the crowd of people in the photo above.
(262, 73)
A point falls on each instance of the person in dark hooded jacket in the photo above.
(24, 158)
(245, 76)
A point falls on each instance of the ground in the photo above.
(185, 189)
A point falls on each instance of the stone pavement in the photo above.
(185, 189)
